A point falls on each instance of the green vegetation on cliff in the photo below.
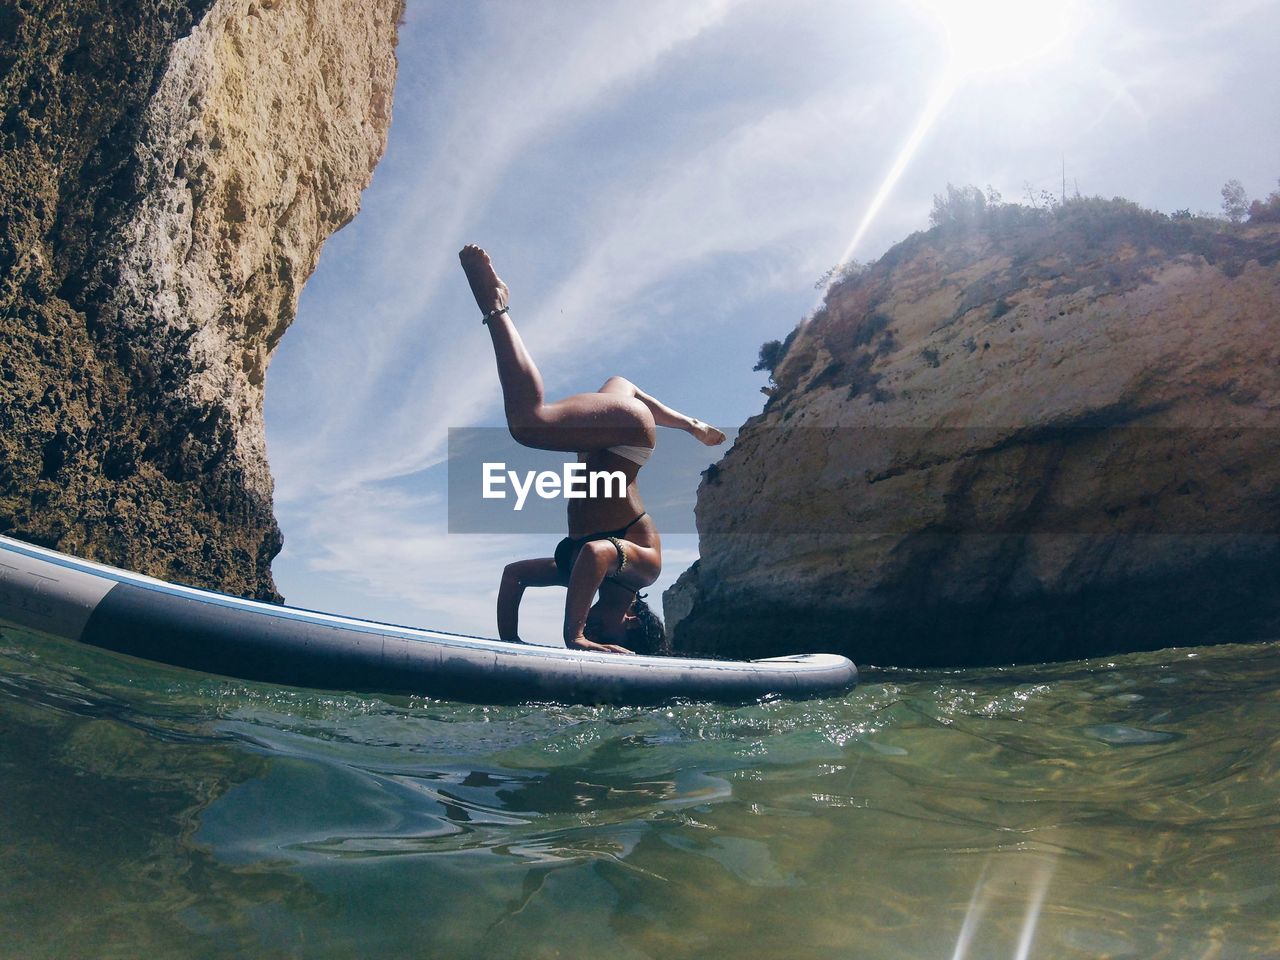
(1107, 243)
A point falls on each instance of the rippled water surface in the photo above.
(1125, 807)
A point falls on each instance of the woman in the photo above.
(613, 546)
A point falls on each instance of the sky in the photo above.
(661, 185)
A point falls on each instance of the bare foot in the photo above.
(707, 433)
(489, 291)
(582, 643)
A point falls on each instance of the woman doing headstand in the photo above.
(613, 546)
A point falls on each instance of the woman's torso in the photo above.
(591, 515)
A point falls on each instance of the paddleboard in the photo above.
(63, 596)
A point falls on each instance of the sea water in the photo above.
(1125, 807)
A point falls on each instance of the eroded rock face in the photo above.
(1044, 438)
(168, 174)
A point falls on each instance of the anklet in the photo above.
(494, 313)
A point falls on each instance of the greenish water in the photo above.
(1125, 807)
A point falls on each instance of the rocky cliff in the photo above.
(1022, 436)
(168, 173)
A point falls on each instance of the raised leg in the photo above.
(585, 421)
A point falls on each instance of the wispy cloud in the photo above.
(747, 192)
(554, 66)
(702, 182)
(394, 546)
(391, 547)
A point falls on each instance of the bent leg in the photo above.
(584, 421)
(663, 415)
(587, 421)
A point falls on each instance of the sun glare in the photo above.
(992, 36)
(983, 37)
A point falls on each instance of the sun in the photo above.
(983, 38)
(994, 36)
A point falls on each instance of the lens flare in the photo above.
(983, 37)
(992, 36)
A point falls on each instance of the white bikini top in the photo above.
(638, 455)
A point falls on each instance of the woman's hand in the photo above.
(582, 643)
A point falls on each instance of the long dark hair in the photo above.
(646, 634)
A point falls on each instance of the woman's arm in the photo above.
(594, 560)
(541, 572)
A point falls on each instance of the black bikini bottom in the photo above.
(567, 549)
